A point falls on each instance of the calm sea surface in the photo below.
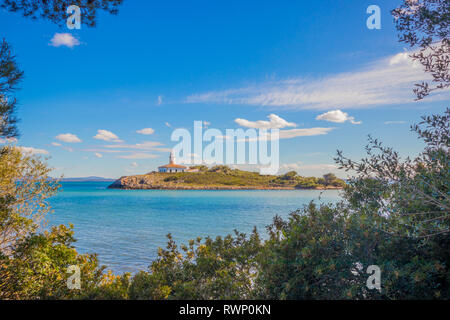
(126, 227)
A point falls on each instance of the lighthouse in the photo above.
(172, 167)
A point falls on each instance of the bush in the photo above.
(223, 268)
(33, 264)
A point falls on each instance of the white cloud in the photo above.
(138, 155)
(160, 100)
(275, 122)
(146, 131)
(56, 144)
(98, 155)
(399, 58)
(106, 136)
(384, 82)
(64, 39)
(68, 137)
(287, 134)
(394, 122)
(337, 116)
(31, 150)
(168, 125)
(134, 164)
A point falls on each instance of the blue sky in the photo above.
(160, 63)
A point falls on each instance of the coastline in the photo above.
(155, 181)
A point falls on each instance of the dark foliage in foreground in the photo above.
(10, 76)
(55, 10)
(394, 214)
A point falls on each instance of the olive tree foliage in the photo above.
(10, 76)
(221, 268)
(323, 252)
(37, 267)
(24, 190)
(34, 259)
(413, 192)
(425, 26)
(33, 262)
(55, 11)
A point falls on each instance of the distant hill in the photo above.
(92, 178)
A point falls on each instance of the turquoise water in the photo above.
(125, 227)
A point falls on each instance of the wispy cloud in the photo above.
(160, 100)
(68, 137)
(146, 145)
(102, 150)
(98, 155)
(106, 135)
(138, 155)
(384, 82)
(395, 122)
(64, 39)
(337, 116)
(131, 151)
(287, 134)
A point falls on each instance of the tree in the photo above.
(289, 175)
(33, 264)
(37, 267)
(223, 268)
(305, 257)
(322, 252)
(415, 192)
(55, 10)
(10, 76)
(424, 25)
(24, 189)
(329, 178)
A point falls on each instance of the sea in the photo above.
(126, 227)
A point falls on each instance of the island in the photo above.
(225, 178)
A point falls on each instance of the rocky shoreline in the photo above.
(155, 182)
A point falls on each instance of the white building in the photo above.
(172, 167)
